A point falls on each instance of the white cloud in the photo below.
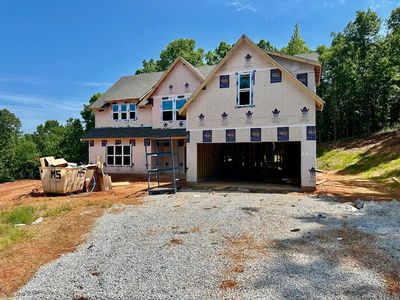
(34, 109)
(242, 5)
(377, 4)
(41, 102)
(24, 79)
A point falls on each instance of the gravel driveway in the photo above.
(206, 245)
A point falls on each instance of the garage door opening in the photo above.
(253, 162)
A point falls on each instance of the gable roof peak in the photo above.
(318, 100)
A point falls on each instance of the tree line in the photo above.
(186, 48)
(360, 85)
(20, 153)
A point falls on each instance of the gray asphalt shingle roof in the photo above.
(135, 86)
(133, 132)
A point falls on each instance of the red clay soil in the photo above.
(350, 187)
(57, 234)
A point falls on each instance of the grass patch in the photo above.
(376, 157)
(19, 215)
(53, 212)
(337, 159)
(10, 235)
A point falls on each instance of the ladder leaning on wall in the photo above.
(153, 165)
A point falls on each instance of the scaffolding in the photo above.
(154, 167)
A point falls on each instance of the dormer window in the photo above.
(132, 111)
(124, 112)
(115, 112)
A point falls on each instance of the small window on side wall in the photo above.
(311, 133)
(276, 75)
(91, 143)
(223, 81)
(303, 78)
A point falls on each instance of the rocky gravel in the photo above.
(216, 245)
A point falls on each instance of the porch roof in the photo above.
(133, 132)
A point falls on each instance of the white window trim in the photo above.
(129, 111)
(244, 90)
(174, 110)
(122, 155)
(120, 112)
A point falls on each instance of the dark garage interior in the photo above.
(268, 162)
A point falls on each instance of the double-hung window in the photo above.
(132, 111)
(170, 108)
(244, 85)
(179, 103)
(118, 155)
(124, 112)
(115, 111)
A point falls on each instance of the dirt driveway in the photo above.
(206, 245)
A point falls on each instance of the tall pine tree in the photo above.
(296, 43)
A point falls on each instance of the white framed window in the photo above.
(124, 112)
(118, 155)
(132, 111)
(167, 110)
(179, 103)
(115, 112)
(244, 89)
(170, 108)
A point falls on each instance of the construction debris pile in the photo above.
(61, 177)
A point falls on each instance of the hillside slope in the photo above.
(376, 157)
(362, 167)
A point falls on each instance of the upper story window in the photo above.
(244, 85)
(170, 108)
(115, 110)
(124, 111)
(132, 111)
(276, 75)
(179, 103)
(303, 78)
(223, 81)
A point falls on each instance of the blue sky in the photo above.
(55, 54)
